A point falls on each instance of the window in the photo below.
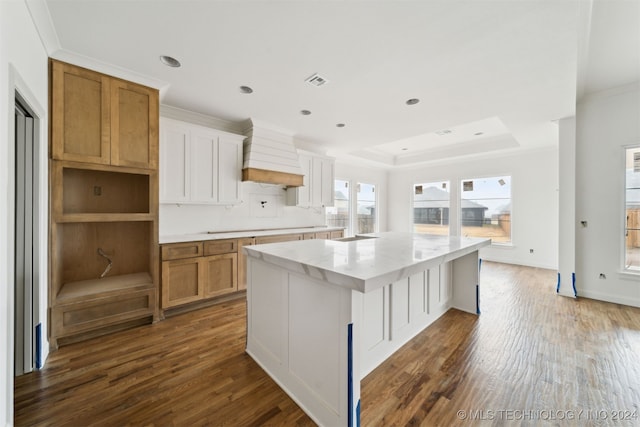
(431, 208)
(338, 214)
(632, 209)
(366, 208)
(485, 208)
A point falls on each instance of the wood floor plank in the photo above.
(529, 351)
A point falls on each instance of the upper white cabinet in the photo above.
(318, 183)
(199, 165)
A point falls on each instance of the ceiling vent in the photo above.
(316, 80)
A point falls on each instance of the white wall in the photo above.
(23, 62)
(367, 175)
(249, 215)
(605, 123)
(534, 202)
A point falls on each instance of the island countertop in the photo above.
(368, 263)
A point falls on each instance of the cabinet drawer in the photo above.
(337, 234)
(181, 250)
(322, 235)
(309, 236)
(278, 238)
(84, 316)
(216, 247)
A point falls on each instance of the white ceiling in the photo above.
(508, 69)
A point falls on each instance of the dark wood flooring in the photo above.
(531, 358)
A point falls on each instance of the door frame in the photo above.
(30, 101)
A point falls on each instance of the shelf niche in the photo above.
(127, 244)
(96, 191)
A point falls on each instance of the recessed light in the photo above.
(170, 61)
(246, 89)
(443, 132)
(479, 133)
(340, 125)
(404, 149)
(412, 101)
(305, 112)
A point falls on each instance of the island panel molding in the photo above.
(322, 314)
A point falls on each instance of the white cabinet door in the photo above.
(229, 170)
(175, 159)
(327, 183)
(204, 159)
(199, 165)
(318, 181)
(302, 195)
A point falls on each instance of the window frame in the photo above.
(423, 182)
(508, 244)
(349, 228)
(354, 218)
(629, 272)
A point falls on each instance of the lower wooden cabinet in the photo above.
(242, 261)
(193, 279)
(220, 274)
(278, 238)
(182, 281)
(198, 271)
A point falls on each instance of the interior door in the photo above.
(24, 241)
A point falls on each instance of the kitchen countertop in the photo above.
(240, 234)
(366, 264)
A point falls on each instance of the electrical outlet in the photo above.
(265, 205)
(530, 251)
(603, 276)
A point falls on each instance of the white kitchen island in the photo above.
(322, 314)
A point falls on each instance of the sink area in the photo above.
(354, 238)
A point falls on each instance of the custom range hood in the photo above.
(270, 157)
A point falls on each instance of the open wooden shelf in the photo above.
(96, 288)
(103, 204)
(91, 191)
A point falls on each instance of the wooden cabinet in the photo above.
(102, 120)
(261, 240)
(242, 261)
(221, 274)
(195, 271)
(318, 183)
(134, 125)
(337, 234)
(103, 193)
(199, 165)
(182, 281)
(200, 271)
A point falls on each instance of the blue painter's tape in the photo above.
(358, 414)
(573, 282)
(350, 375)
(477, 299)
(39, 346)
(558, 285)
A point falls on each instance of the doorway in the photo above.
(27, 330)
